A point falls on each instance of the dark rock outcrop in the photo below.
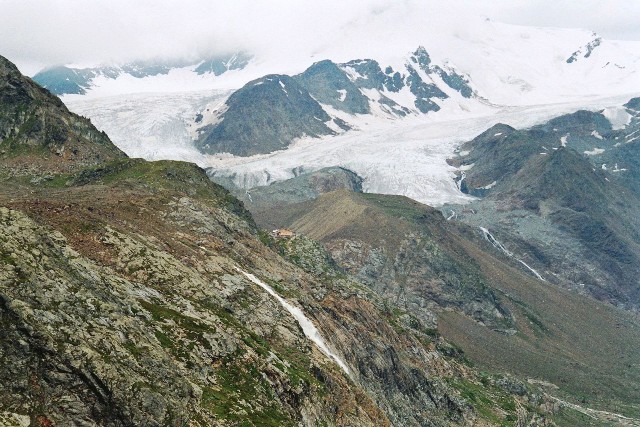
(573, 184)
(39, 135)
(265, 116)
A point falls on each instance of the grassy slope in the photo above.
(588, 349)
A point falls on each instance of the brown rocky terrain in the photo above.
(451, 278)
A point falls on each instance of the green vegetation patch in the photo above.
(244, 397)
(568, 417)
(160, 313)
(398, 206)
(193, 328)
(490, 402)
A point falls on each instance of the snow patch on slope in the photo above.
(307, 325)
(618, 116)
(594, 152)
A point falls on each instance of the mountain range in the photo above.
(364, 106)
(464, 211)
(64, 80)
(126, 300)
(129, 296)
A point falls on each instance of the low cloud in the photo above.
(37, 33)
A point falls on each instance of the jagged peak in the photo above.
(421, 57)
(586, 50)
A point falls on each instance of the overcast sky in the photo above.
(39, 33)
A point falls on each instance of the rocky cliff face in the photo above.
(38, 134)
(123, 303)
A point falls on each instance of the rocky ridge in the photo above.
(307, 186)
(38, 133)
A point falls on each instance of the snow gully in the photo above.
(307, 326)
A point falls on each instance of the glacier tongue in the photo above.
(307, 326)
(154, 126)
(404, 156)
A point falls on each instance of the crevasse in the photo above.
(307, 326)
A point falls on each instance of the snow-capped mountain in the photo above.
(392, 109)
(70, 80)
(269, 113)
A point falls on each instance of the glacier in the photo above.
(520, 75)
(405, 156)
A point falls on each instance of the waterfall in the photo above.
(504, 250)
